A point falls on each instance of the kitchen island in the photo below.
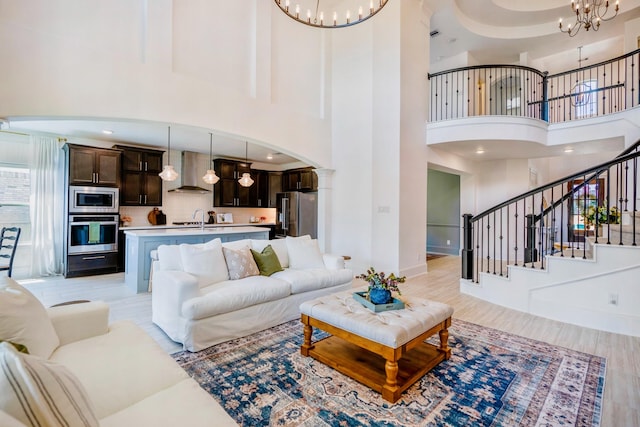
(140, 243)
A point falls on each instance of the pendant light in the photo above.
(210, 177)
(246, 180)
(168, 173)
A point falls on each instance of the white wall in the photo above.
(352, 100)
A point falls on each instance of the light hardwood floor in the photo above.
(621, 405)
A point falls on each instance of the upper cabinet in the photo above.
(267, 185)
(93, 166)
(228, 192)
(304, 179)
(141, 184)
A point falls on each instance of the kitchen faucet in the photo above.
(202, 217)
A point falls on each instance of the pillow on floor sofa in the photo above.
(304, 253)
(206, 262)
(240, 263)
(24, 320)
(267, 261)
(38, 392)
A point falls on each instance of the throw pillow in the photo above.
(24, 320)
(279, 247)
(240, 263)
(267, 261)
(304, 253)
(38, 392)
(206, 262)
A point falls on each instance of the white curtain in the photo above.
(47, 206)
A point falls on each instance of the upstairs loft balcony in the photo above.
(517, 103)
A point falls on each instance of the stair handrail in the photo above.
(583, 183)
(599, 169)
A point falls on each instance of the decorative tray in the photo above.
(361, 297)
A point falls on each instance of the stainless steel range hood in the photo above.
(189, 175)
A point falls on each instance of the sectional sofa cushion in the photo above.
(240, 263)
(206, 263)
(224, 297)
(312, 279)
(121, 367)
(38, 392)
(24, 320)
(304, 253)
(267, 261)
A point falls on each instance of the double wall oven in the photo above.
(92, 230)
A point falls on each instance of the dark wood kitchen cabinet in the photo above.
(268, 184)
(141, 184)
(93, 166)
(228, 192)
(304, 179)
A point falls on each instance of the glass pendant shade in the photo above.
(210, 177)
(168, 172)
(246, 180)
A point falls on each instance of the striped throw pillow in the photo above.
(38, 392)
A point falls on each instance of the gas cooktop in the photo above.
(186, 223)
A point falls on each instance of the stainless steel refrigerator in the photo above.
(297, 214)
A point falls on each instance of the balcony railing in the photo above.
(591, 91)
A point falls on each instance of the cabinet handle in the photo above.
(145, 199)
(140, 165)
(146, 166)
(87, 258)
(140, 198)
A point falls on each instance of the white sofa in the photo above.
(125, 378)
(198, 303)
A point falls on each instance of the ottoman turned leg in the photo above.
(444, 343)
(390, 390)
(308, 331)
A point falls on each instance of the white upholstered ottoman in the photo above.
(386, 350)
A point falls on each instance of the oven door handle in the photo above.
(99, 222)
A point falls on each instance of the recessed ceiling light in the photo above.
(269, 156)
(107, 132)
(480, 151)
(568, 150)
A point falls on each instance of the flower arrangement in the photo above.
(382, 281)
(601, 215)
(125, 219)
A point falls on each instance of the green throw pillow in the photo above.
(20, 347)
(267, 261)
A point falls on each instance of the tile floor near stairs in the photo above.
(621, 404)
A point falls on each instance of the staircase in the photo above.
(538, 253)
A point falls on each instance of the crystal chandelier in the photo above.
(168, 173)
(309, 12)
(589, 14)
(210, 177)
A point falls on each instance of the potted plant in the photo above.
(381, 285)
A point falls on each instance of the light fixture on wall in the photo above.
(168, 173)
(334, 19)
(246, 180)
(210, 177)
(589, 14)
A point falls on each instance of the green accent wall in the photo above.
(443, 213)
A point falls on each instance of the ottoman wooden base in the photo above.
(389, 371)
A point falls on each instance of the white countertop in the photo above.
(174, 226)
(158, 231)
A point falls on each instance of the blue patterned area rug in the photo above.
(492, 379)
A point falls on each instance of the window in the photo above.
(15, 190)
(584, 99)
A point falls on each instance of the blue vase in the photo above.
(379, 296)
